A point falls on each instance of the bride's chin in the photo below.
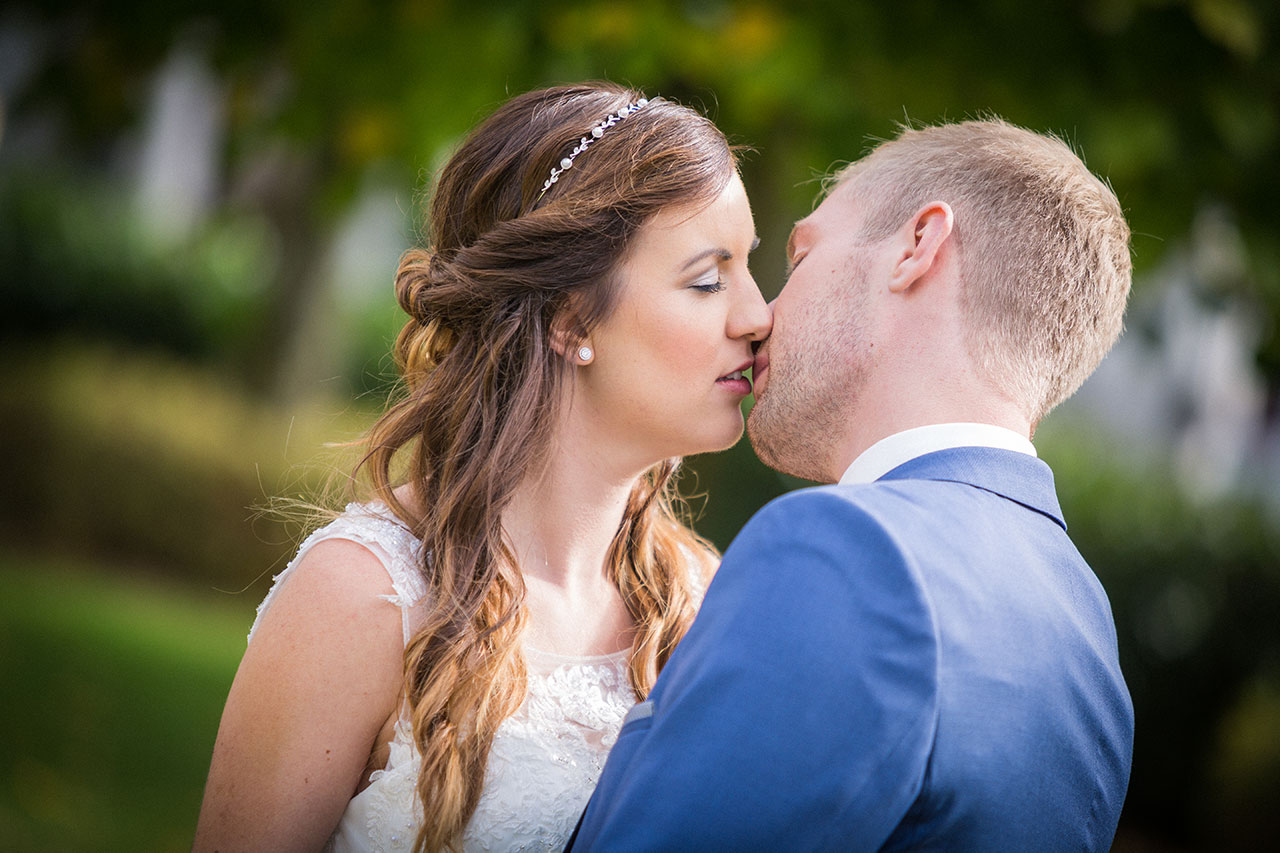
(723, 441)
(719, 432)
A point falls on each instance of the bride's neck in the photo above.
(563, 517)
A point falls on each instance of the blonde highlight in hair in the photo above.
(481, 381)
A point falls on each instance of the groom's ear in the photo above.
(920, 240)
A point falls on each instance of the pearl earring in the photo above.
(585, 354)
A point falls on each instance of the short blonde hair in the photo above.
(1043, 247)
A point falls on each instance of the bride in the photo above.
(446, 664)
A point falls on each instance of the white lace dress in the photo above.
(545, 759)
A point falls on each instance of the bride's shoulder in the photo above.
(363, 555)
(375, 526)
(338, 572)
(323, 669)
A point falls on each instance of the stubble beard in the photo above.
(795, 423)
(814, 381)
(805, 409)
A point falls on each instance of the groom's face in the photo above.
(820, 351)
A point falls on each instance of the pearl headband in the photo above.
(596, 133)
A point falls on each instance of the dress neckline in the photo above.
(610, 657)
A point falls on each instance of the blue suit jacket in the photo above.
(920, 663)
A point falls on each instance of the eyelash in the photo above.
(791, 267)
(710, 288)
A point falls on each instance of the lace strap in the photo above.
(373, 526)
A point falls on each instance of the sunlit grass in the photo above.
(113, 686)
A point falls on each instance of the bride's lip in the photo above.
(740, 385)
(747, 365)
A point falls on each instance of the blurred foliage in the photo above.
(139, 459)
(132, 440)
(114, 687)
(1239, 791)
(77, 261)
(1176, 101)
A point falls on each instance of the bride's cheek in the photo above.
(689, 349)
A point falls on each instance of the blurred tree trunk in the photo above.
(284, 183)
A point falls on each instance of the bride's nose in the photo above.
(749, 317)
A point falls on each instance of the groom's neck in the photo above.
(885, 410)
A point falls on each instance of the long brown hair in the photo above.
(504, 264)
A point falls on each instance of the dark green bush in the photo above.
(75, 258)
(138, 459)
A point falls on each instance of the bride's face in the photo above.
(665, 377)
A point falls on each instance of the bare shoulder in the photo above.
(332, 626)
(336, 579)
(319, 680)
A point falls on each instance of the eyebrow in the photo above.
(718, 253)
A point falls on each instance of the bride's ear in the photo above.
(569, 339)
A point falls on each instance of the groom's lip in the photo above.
(758, 372)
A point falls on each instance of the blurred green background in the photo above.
(201, 208)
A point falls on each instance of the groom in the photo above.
(916, 658)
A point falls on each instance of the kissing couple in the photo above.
(914, 657)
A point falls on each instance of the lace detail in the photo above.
(386, 815)
(545, 759)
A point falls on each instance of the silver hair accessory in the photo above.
(596, 132)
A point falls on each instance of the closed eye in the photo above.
(792, 264)
(710, 287)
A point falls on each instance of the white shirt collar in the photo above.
(888, 453)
